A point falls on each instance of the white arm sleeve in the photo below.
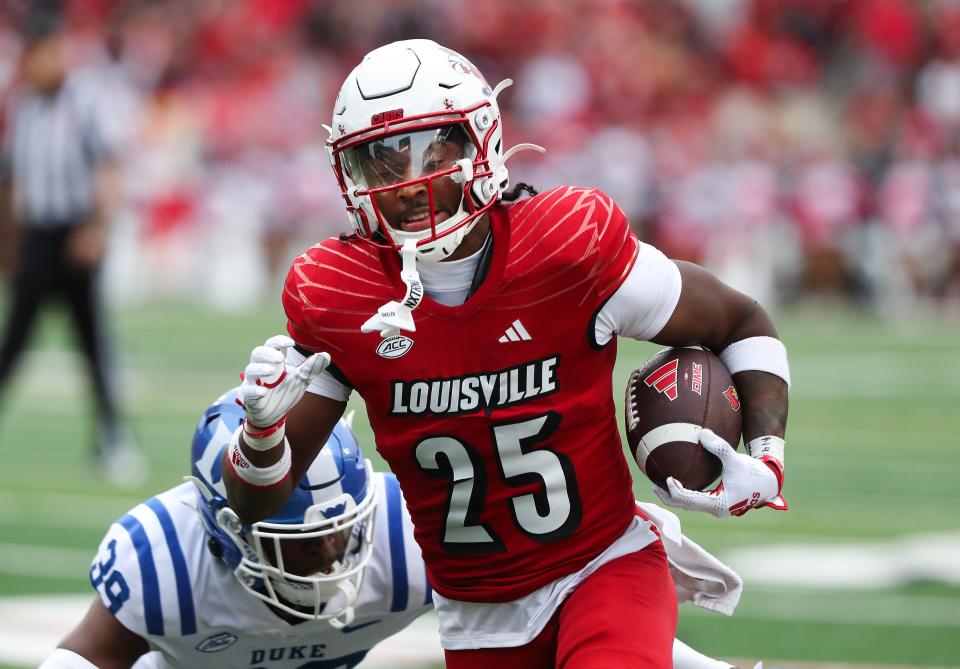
(61, 658)
(326, 384)
(645, 300)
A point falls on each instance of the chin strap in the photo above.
(346, 616)
(395, 316)
(204, 492)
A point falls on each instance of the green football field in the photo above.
(860, 570)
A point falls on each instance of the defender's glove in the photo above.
(745, 483)
(271, 388)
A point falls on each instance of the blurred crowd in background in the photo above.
(802, 149)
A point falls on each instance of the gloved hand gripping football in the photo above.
(745, 483)
(271, 387)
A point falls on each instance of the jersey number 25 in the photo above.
(549, 514)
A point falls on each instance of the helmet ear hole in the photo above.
(482, 119)
(214, 547)
(488, 188)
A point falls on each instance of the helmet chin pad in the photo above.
(443, 247)
(311, 594)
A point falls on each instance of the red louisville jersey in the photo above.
(497, 416)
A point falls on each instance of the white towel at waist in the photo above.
(699, 576)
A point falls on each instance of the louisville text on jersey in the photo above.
(484, 391)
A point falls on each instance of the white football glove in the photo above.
(745, 483)
(270, 387)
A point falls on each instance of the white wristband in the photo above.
(762, 354)
(268, 440)
(259, 477)
(767, 446)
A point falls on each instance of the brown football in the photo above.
(674, 395)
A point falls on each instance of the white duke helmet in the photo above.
(405, 96)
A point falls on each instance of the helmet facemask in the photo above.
(424, 183)
(270, 570)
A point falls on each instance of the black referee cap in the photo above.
(41, 21)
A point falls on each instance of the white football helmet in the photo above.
(403, 100)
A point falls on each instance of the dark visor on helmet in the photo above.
(396, 159)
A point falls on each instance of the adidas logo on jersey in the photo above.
(516, 332)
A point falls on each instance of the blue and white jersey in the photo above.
(155, 573)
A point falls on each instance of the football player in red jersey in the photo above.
(480, 333)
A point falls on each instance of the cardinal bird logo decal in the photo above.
(731, 395)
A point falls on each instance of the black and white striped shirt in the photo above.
(53, 146)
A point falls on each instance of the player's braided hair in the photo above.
(515, 192)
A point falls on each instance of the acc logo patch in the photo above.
(217, 642)
(394, 347)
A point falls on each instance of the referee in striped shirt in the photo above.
(59, 177)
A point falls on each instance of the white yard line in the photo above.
(848, 608)
(852, 565)
(50, 374)
(45, 561)
(78, 510)
(789, 664)
(904, 466)
(30, 627)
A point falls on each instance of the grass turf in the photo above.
(872, 456)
